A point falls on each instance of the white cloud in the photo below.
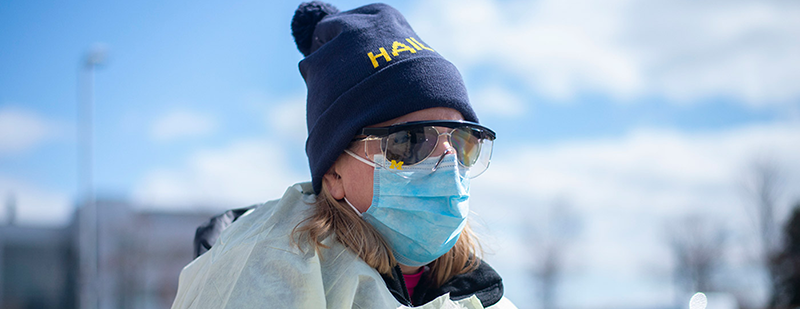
(22, 130)
(497, 100)
(684, 50)
(288, 118)
(244, 173)
(626, 189)
(284, 118)
(650, 161)
(35, 205)
(180, 124)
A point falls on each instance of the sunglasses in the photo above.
(405, 145)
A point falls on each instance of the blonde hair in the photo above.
(331, 216)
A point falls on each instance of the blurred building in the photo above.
(36, 268)
(140, 254)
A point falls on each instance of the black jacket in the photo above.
(483, 282)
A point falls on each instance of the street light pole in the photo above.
(88, 228)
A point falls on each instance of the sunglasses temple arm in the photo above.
(365, 161)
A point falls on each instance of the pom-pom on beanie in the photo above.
(363, 67)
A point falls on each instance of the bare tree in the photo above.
(550, 232)
(697, 245)
(764, 184)
(786, 293)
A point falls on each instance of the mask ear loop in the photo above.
(365, 161)
(351, 206)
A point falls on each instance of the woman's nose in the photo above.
(443, 145)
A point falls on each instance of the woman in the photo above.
(392, 143)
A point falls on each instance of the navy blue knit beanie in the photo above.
(363, 67)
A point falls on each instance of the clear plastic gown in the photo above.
(255, 264)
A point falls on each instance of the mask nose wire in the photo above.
(448, 149)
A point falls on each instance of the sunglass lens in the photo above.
(410, 146)
(467, 145)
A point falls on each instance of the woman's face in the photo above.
(351, 178)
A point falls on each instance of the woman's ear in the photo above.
(333, 182)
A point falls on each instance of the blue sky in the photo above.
(607, 105)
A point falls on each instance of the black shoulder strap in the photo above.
(206, 234)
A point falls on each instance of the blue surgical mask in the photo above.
(420, 218)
